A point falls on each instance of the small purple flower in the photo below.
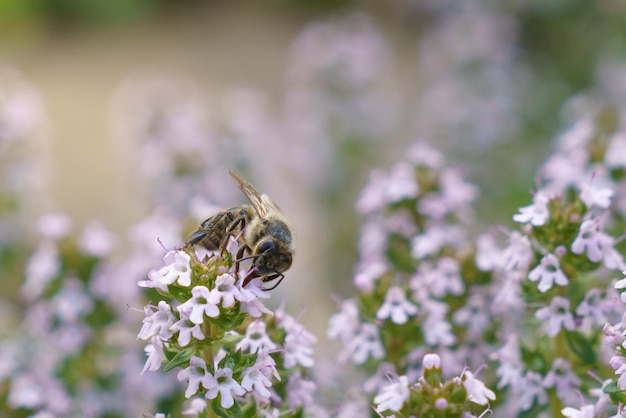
(518, 254)
(531, 391)
(176, 269)
(157, 322)
(393, 396)
(591, 241)
(548, 272)
(396, 306)
(536, 214)
(226, 291)
(586, 411)
(195, 375)
(256, 338)
(344, 323)
(364, 345)
(251, 294)
(562, 378)
(510, 365)
(477, 392)
(300, 391)
(593, 195)
(226, 386)
(556, 316)
(156, 355)
(186, 329)
(199, 305)
(257, 377)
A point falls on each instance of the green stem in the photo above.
(208, 346)
(555, 404)
(207, 329)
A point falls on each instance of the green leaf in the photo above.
(233, 412)
(616, 394)
(249, 411)
(181, 294)
(180, 359)
(231, 360)
(231, 339)
(582, 347)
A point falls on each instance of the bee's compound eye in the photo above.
(265, 247)
(265, 222)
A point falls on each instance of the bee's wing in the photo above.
(262, 204)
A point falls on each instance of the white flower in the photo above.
(536, 214)
(195, 407)
(477, 392)
(155, 353)
(591, 241)
(440, 280)
(72, 302)
(547, 273)
(226, 291)
(431, 361)
(437, 330)
(474, 316)
(251, 294)
(344, 323)
(176, 269)
(595, 305)
(532, 390)
(509, 364)
(365, 344)
(396, 306)
(226, 387)
(562, 378)
(186, 330)
(298, 342)
(518, 254)
(592, 195)
(297, 351)
(587, 411)
(256, 338)
(376, 382)
(488, 255)
(300, 391)
(434, 238)
(618, 364)
(199, 305)
(393, 396)
(157, 322)
(367, 273)
(257, 377)
(557, 315)
(195, 375)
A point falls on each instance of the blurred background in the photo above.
(130, 112)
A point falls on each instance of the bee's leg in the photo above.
(242, 249)
(249, 278)
(195, 238)
(278, 276)
(241, 219)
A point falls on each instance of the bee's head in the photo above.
(272, 256)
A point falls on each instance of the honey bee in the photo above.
(263, 231)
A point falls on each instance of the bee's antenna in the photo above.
(249, 257)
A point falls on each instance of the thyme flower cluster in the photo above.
(418, 289)
(235, 356)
